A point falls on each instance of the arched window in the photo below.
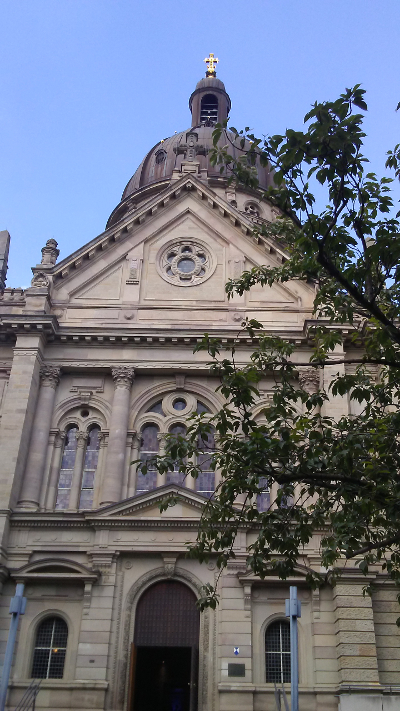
(205, 482)
(50, 649)
(263, 498)
(67, 468)
(176, 477)
(89, 468)
(84, 471)
(160, 157)
(277, 652)
(174, 405)
(209, 110)
(148, 448)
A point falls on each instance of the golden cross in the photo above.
(211, 62)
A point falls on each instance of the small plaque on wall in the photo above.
(236, 670)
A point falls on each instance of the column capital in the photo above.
(60, 438)
(123, 376)
(309, 379)
(50, 376)
(81, 438)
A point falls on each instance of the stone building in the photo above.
(96, 365)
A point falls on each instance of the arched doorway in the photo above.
(164, 666)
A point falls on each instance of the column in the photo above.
(100, 473)
(81, 439)
(133, 467)
(30, 494)
(161, 478)
(115, 463)
(131, 436)
(51, 493)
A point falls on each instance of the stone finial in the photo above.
(50, 376)
(123, 376)
(50, 253)
(309, 379)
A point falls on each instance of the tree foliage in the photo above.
(335, 477)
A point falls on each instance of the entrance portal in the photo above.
(164, 667)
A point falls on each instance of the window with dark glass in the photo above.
(148, 449)
(89, 468)
(263, 498)
(176, 477)
(205, 482)
(50, 649)
(67, 468)
(277, 652)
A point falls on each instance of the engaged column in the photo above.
(115, 462)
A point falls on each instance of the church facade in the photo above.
(96, 367)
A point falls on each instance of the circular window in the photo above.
(84, 413)
(179, 404)
(186, 263)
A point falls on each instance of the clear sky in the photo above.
(87, 87)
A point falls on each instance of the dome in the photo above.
(209, 104)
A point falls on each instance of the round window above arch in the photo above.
(186, 262)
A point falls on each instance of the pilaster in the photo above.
(18, 413)
(355, 635)
(34, 472)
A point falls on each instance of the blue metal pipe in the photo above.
(17, 608)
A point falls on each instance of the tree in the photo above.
(338, 476)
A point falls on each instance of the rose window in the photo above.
(186, 263)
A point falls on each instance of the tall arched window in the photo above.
(264, 497)
(205, 482)
(50, 649)
(67, 468)
(277, 652)
(78, 475)
(209, 110)
(177, 477)
(148, 448)
(89, 468)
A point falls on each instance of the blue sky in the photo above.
(87, 87)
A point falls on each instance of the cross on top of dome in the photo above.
(211, 62)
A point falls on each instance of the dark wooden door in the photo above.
(167, 626)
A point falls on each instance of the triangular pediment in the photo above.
(162, 202)
(187, 504)
(121, 277)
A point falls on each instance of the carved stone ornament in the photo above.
(123, 376)
(309, 379)
(40, 280)
(50, 376)
(185, 263)
(50, 252)
(81, 438)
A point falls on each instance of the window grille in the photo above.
(67, 469)
(89, 468)
(50, 649)
(148, 448)
(277, 652)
